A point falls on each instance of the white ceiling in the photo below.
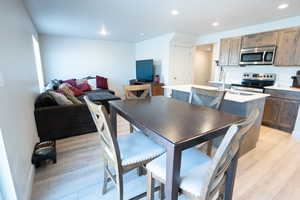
(126, 19)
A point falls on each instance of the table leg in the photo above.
(113, 120)
(230, 179)
(173, 173)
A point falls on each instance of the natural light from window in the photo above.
(38, 63)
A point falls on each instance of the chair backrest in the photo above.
(137, 91)
(225, 153)
(108, 141)
(208, 98)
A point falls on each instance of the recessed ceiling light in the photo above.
(283, 6)
(175, 12)
(103, 32)
(215, 24)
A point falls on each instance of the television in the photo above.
(145, 70)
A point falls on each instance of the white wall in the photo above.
(65, 58)
(158, 49)
(234, 73)
(17, 95)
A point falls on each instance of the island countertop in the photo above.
(241, 97)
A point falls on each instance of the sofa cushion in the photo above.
(101, 82)
(70, 96)
(84, 87)
(45, 100)
(70, 81)
(60, 98)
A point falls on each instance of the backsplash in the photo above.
(284, 74)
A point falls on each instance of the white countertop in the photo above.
(229, 96)
(286, 88)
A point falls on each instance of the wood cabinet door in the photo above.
(260, 39)
(271, 111)
(288, 48)
(224, 52)
(288, 112)
(234, 51)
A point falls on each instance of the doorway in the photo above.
(203, 64)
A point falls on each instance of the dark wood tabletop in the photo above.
(176, 121)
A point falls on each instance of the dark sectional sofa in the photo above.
(62, 121)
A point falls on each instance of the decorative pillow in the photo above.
(80, 81)
(84, 87)
(66, 86)
(76, 92)
(92, 83)
(60, 98)
(101, 82)
(71, 97)
(71, 82)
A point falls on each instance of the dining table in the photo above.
(177, 126)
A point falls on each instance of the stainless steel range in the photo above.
(255, 82)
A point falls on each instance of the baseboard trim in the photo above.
(28, 190)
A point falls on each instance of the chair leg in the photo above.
(105, 181)
(209, 147)
(120, 186)
(150, 186)
(140, 171)
(131, 128)
(162, 191)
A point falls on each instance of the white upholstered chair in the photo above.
(202, 177)
(123, 154)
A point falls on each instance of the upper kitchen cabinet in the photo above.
(288, 47)
(260, 39)
(230, 51)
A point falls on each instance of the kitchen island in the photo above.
(238, 103)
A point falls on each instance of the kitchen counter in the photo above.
(240, 97)
(239, 104)
(286, 88)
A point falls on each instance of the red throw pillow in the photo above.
(71, 82)
(101, 82)
(84, 87)
(77, 92)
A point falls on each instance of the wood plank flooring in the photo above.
(269, 172)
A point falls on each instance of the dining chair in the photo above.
(207, 98)
(137, 91)
(121, 154)
(202, 177)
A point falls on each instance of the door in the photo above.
(271, 111)
(181, 67)
(224, 52)
(288, 51)
(234, 51)
(288, 114)
(260, 39)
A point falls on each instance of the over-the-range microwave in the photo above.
(258, 56)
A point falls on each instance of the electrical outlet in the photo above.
(1, 80)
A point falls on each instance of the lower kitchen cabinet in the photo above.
(281, 112)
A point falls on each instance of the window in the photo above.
(38, 63)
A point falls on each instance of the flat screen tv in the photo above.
(144, 70)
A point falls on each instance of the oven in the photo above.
(258, 56)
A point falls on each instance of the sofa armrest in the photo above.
(57, 122)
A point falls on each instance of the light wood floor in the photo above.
(269, 172)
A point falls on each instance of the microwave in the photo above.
(258, 56)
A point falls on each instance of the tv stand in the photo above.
(156, 88)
